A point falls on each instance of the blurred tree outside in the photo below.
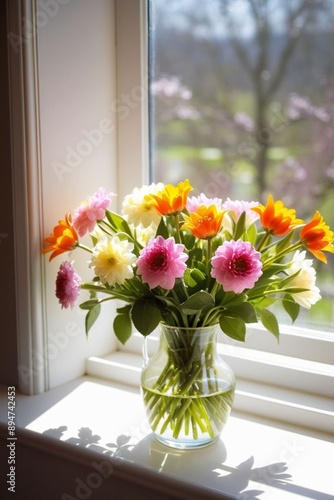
(242, 102)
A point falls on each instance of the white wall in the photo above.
(78, 155)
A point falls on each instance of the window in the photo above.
(289, 381)
(242, 106)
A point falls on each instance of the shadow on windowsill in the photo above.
(243, 481)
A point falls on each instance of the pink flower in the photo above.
(161, 262)
(235, 209)
(195, 202)
(67, 285)
(90, 211)
(236, 265)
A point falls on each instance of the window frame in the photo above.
(26, 171)
(132, 84)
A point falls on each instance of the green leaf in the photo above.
(124, 310)
(240, 227)
(89, 304)
(197, 302)
(231, 299)
(162, 229)
(233, 327)
(179, 291)
(291, 307)
(244, 311)
(296, 290)
(269, 321)
(264, 302)
(118, 223)
(92, 316)
(188, 279)
(193, 277)
(284, 282)
(251, 234)
(197, 275)
(94, 239)
(146, 316)
(122, 327)
(188, 239)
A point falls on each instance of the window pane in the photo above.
(242, 104)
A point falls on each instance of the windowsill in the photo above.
(252, 459)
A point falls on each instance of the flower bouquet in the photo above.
(189, 262)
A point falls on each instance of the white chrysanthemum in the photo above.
(112, 260)
(305, 279)
(136, 208)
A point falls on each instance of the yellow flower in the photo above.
(205, 223)
(317, 237)
(276, 218)
(171, 200)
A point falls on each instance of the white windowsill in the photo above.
(250, 461)
(308, 401)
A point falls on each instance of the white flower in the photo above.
(145, 234)
(305, 279)
(136, 208)
(112, 260)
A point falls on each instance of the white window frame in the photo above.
(26, 169)
(292, 382)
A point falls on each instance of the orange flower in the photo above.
(205, 223)
(63, 239)
(317, 237)
(276, 218)
(171, 200)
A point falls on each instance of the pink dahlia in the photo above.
(90, 211)
(67, 285)
(236, 265)
(161, 262)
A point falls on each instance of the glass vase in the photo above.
(187, 388)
